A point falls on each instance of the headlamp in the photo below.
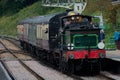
(70, 46)
(101, 45)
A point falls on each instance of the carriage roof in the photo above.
(44, 19)
(37, 19)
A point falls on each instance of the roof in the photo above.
(37, 19)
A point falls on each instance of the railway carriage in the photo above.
(71, 46)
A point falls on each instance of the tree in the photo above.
(12, 6)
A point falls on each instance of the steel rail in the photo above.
(110, 78)
(7, 69)
(14, 39)
(28, 68)
(73, 76)
(76, 77)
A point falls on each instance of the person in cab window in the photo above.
(92, 25)
(67, 23)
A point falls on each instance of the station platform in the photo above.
(114, 55)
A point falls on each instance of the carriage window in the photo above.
(46, 30)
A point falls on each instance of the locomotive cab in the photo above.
(80, 42)
(81, 38)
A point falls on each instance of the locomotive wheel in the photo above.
(32, 50)
(51, 59)
(48, 57)
(37, 53)
(71, 66)
(63, 66)
(27, 47)
(24, 46)
(95, 69)
(21, 43)
(118, 71)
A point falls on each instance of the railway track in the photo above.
(110, 76)
(35, 65)
(12, 77)
(101, 76)
(21, 62)
(95, 77)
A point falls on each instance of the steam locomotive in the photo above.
(68, 40)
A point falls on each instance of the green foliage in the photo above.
(8, 7)
(95, 7)
(8, 24)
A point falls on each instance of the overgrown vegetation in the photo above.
(8, 24)
(13, 11)
(110, 12)
(8, 7)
